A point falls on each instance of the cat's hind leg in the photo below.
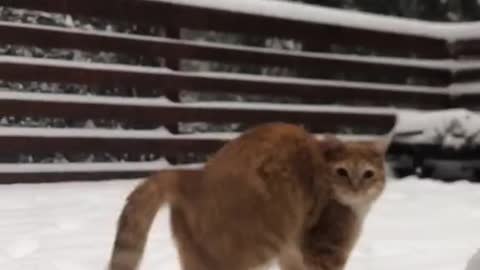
(192, 255)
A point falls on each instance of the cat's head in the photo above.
(355, 168)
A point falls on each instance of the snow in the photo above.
(453, 128)
(165, 103)
(70, 226)
(108, 133)
(92, 167)
(474, 262)
(322, 15)
(364, 86)
(345, 18)
(465, 89)
(81, 65)
(433, 64)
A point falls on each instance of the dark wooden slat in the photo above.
(60, 176)
(49, 173)
(465, 95)
(181, 15)
(19, 142)
(467, 101)
(466, 48)
(466, 71)
(470, 100)
(435, 151)
(56, 37)
(27, 69)
(9, 177)
(75, 107)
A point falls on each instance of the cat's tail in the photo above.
(138, 214)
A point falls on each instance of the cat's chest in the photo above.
(360, 211)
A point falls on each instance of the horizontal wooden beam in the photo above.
(435, 151)
(465, 71)
(99, 171)
(469, 101)
(61, 176)
(368, 30)
(57, 37)
(466, 95)
(146, 78)
(466, 48)
(49, 141)
(162, 112)
(44, 173)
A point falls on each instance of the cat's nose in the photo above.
(356, 183)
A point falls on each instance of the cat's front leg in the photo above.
(291, 259)
(324, 258)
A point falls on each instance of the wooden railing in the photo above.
(438, 77)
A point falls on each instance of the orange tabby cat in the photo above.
(275, 192)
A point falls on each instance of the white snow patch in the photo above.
(454, 128)
(322, 15)
(72, 225)
(93, 167)
(347, 18)
(165, 103)
(435, 64)
(474, 262)
(216, 75)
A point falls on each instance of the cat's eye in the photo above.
(368, 174)
(342, 172)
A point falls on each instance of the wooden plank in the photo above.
(464, 40)
(57, 37)
(435, 151)
(48, 141)
(145, 78)
(44, 173)
(468, 101)
(466, 48)
(61, 176)
(466, 95)
(424, 41)
(466, 71)
(153, 111)
(64, 172)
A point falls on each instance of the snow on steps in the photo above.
(330, 16)
(450, 128)
(24, 168)
(74, 66)
(454, 128)
(6, 94)
(425, 64)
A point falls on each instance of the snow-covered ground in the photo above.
(417, 224)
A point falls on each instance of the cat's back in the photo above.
(251, 200)
(267, 141)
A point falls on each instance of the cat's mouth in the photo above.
(355, 196)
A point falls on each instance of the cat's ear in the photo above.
(381, 145)
(329, 145)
